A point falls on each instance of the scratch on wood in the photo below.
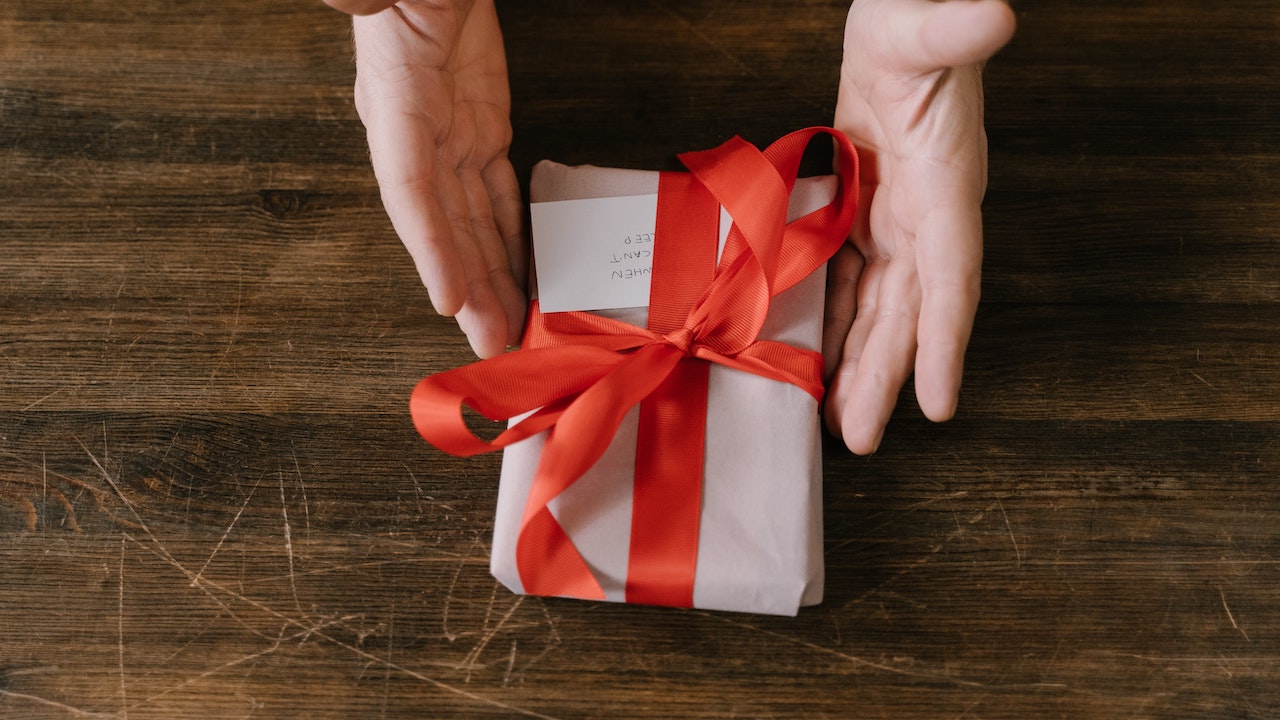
(98, 493)
(124, 694)
(159, 549)
(1230, 616)
(288, 546)
(317, 627)
(231, 341)
(223, 539)
(553, 642)
(417, 488)
(364, 654)
(958, 532)
(1206, 382)
(50, 703)
(119, 493)
(1017, 553)
(909, 508)
(69, 519)
(719, 47)
(7, 673)
(511, 664)
(969, 708)
(448, 601)
(306, 506)
(386, 670)
(360, 566)
(275, 645)
(846, 656)
(208, 587)
(45, 492)
(40, 400)
(474, 656)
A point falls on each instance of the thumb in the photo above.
(931, 35)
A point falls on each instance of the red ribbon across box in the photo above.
(580, 373)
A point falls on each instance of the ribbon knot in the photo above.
(683, 340)
(580, 373)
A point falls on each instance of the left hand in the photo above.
(431, 89)
(905, 292)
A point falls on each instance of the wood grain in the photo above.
(212, 504)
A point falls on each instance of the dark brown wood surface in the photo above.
(213, 505)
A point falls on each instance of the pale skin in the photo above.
(431, 89)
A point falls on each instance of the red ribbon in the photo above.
(580, 373)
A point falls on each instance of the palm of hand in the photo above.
(431, 88)
(913, 106)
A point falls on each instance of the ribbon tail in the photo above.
(501, 388)
(548, 562)
(560, 570)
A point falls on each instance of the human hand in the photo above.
(431, 89)
(907, 288)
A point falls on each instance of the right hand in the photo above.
(903, 297)
(431, 89)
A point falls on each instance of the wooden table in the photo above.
(213, 505)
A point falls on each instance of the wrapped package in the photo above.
(757, 496)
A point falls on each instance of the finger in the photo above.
(509, 216)
(500, 277)
(409, 185)
(403, 149)
(869, 181)
(886, 358)
(925, 35)
(841, 305)
(950, 252)
(481, 317)
(839, 396)
(360, 7)
(840, 389)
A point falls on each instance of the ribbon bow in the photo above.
(581, 373)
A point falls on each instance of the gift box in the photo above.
(677, 460)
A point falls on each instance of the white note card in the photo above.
(594, 254)
(597, 254)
